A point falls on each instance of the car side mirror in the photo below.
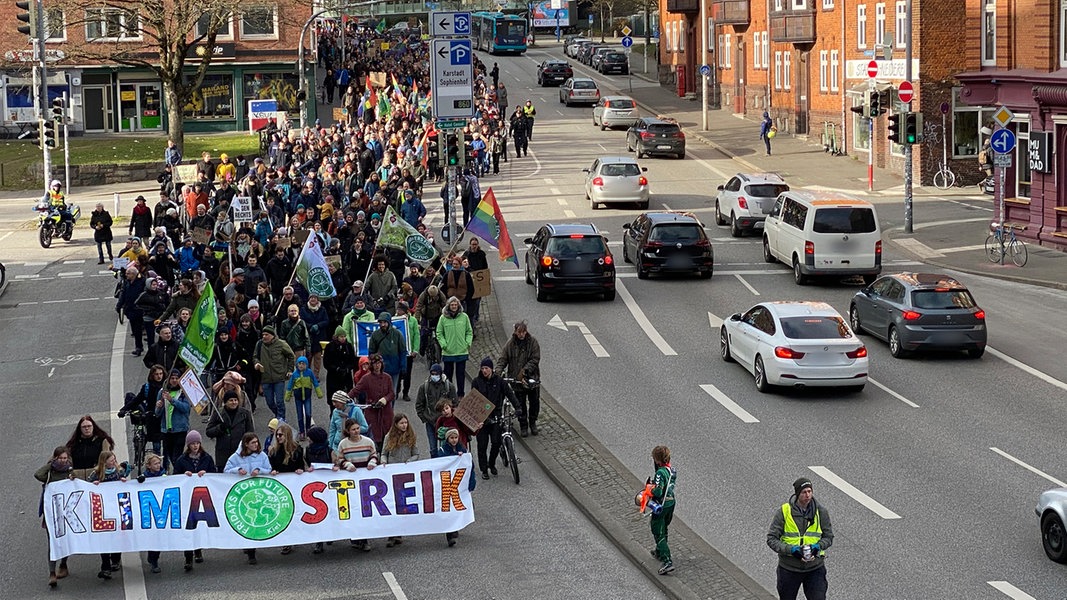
(528, 241)
(644, 169)
(719, 188)
(625, 225)
(585, 170)
(735, 317)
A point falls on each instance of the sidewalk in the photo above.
(956, 244)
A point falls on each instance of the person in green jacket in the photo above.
(662, 495)
(403, 309)
(455, 335)
(359, 313)
(274, 360)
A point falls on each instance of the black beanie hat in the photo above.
(800, 484)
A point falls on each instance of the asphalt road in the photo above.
(925, 472)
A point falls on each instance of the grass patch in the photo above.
(19, 159)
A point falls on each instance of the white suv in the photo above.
(746, 199)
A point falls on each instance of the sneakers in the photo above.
(533, 429)
(668, 567)
(105, 575)
(493, 471)
(485, 474)
(52, 580)
(287, 549)
(137, 351)
(155, 567)
(198, 556)
(188, 565)
(62, 571)
(317, 549)
(407, 398)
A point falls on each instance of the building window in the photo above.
(282, 86)
(55, 23)
(989, 34)
(213, 99)
(1063, 33)
(777, 70)
(824, 63)
(861, 133)
(259, 22)
(800, 4)
(680, 33)
(225, 30)
(778, 5)
(861, 25)
(767, 50)
(966, 122)
(106, 24)
(726, 55)
(787, 60)
(757, 51)
(835, 66)
(828, 4)
(722, 44)
(1023, 176)
(901, 24)
(879, 25)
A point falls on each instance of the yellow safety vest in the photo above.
(56, 199)
(791, 533)
(529, 111)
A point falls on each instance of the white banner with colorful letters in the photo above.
(235, 512)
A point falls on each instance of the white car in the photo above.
(795, 344)
(614, 179)
(1052, 514)
(572, 48)
(746, 199)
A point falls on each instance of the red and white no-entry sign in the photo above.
(872, 69)
(905, 92)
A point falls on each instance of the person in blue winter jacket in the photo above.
(302, 383)
(344, 408)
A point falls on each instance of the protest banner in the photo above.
(200, 235)
(483, 283)
(473, 409)
(194, 391)
(365, 329)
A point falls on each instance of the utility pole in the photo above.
(42, 91)
(909, 216)
(704, 61)
(648, 36)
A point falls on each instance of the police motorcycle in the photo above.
(50, 223)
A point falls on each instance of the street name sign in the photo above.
(450, 23)
(452, 83)
(451, 123)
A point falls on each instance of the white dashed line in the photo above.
(70, 274)
(394, 586)
(549, 181)
(642, 320)
(569, 214)
(893, 394)
(555, 191)
(747, 285)
(561, 201)
(854, 492)
(35, 276)
(728, 404)
(1030, 468)
(74, 262)
(1010, 590)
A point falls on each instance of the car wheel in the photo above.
(895, 347)
(592, 203)
(625, 254)
(724, 345)
(639, 151)
(798, 276)
(603, 127)
(718, 215)
(641, 272)
(529, 280)
(706, 274)
(540, 292)
(643, 205)
(1054, 537)
(767, 255)
(609, 296)
(760, 375)
(975, 352)
(869, 279)
(735, 231)
(854, 319)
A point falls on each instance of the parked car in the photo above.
(920, 311)
(1052, 514)
(615, 179)
(655, 136)
(571, 49)
(823, 234)
(579, 47)
(613, 111)
(614, 62)
(569, 259)
(579, 90)
(585, 55)
(747, 198)
(598, 55)
(795, 344)
(554, 71)
(663, 242)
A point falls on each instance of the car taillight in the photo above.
(651, 244)
(679, 135)
(878, 247)
(642, 180)
(911, 315)
(703, 243)
(742, 203)
(608, 260)
(598, 181)
(647, 134)
(980, 315)
(783, 352)
(809, 247)
(860, 352)
(546, 261)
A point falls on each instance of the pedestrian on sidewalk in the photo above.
(801, 548)
(767, 130)
(661, 500)
(531, 113)
(101, 223)
(329, 84)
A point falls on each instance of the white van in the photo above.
(821, 233)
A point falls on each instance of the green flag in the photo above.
(381, 26)
(199, 343)
(398, 233)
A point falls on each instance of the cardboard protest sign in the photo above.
(474, 409)
(483, 283)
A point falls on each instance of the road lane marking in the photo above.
(70, 274)
(746, 284)
(714, 321)
(55, 301)
(728, 404)
(1025, 367)
(394, 586)
(549, 181)
(706, 165)
(555, 191)
(642, 320)
(74, 262)
(569, 214)
(1030, 468)
(561, 201)
(916, 247)
(1010, 590)
(34, 263)
(34, 276)
(4, 237)
(594, 344)
(962, 249)
(559, 112)
(854, 492)
(893, 394)
(667, 208)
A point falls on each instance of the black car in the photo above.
(661, 242)
(554, 71)
(585, 55)
(569, 259)
(614, 62)
(655, 136)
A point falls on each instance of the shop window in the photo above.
(213, 99)
(966, 122)
(1023, 176)
(280, 86)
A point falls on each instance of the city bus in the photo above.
(498, 33)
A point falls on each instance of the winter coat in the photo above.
(318, 325)
(455, 335)
(179, 407)
(249, 463)
(429, 394)
(337, 423)
(495, 390)
(295, 334)
(152, 304)
(188, 464)
(429, 308)
(162, 353)
(521, 358)
(101, 222)
(390, 344)
(127, 301)
(349, 322)
(377, 385)
(302, 382)
(227, 429)
(277, 359)
(400, 454)
(178, 302)
(458, 283)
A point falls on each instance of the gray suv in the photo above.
(746, 199)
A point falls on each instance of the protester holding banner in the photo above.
(107, 470)
(57, 469)
(388, 343)
(86, 444)
(380, 393)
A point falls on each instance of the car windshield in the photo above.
(766, 190)
(675, 233)
(844, 219)
(815, 328)
(565, 247)
(942, 299)
(614, 56)
(620, 170)
(621, 104)
(663, 127)
(584, 85)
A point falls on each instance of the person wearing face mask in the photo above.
(430, 393)
(317, 318)
(57, 469)
(294, 331)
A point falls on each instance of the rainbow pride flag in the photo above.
(488, 224)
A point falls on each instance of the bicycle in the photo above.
(1003, 242)
(945, 177)
(430, 347)
(140, 436)
(507, 433)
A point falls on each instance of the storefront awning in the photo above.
(53, 79)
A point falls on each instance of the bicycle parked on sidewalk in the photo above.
(507, 432)
(1003, 242)
(945, 177)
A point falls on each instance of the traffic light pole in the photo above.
(42, 91)
(908, 206)
(66, 144)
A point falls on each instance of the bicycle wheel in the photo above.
(138, 450)
(513, 461)
(1017, 250)
(992, 248)
(944, 179)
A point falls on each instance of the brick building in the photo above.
(1016, 55)
(805, 62)
(254, 57)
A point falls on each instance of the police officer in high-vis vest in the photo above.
(801, 533)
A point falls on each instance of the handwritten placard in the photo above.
(474, 409)
(483, 283)
(200, 235)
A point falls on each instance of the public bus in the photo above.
(498, 33)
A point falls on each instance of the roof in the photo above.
(761, 177)
(617, 159)
(929, 280)
(671, 217)
(617, 98)
(572, 228)
(824, 198)
(801, 308)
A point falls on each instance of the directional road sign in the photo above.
(905, 92)
(451, 123)
(872, 69)
(1002, 141)
(452, 81)
(1003, 116)
(450, 23)
(705, 70)
(627, 41)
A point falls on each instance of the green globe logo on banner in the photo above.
(419, 249)
(259, 508)
(319, 282)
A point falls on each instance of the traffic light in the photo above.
(434, 147)
(452, 151)
(861, 109)
(58, 110)
(874, 102)
(49, 137)
(913, 128)
(896, 127)
(32, 133)
(29, 17)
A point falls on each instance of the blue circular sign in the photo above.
(705, 70)
(1002, 141)
(627, 42)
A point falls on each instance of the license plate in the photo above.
(758, 225)
(663, 147)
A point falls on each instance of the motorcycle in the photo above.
(50, 223)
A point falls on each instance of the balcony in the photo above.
(795, 26)
(683, 6)
(730, 12)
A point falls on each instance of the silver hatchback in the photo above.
(616, 179)
(615, 111)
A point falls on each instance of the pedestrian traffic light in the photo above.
(913, 128)
(452, 151)
(874, 102)
(434, 148)
(29, 17)
(32, 132)
(58, 110)
(48, 134)
(896, 127)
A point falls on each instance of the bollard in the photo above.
(118, 204)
